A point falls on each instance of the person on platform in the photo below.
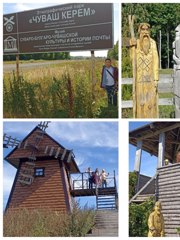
(103, 177)
(109, 81)
(90, 177)
(97, 177)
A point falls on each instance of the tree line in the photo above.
(164, 17)
(38, 56)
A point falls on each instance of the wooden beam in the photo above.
(161, 149)
(163, 130)
(138, 156)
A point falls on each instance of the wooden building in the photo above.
(43, 170)
(161, 139)
(48, 176)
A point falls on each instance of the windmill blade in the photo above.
(43, 125)
(9, 141)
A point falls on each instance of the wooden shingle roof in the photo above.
(23, 152)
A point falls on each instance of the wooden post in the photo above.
(176, 58)
(93, 74)
(131, 28)
(17, 66)
(160, 66)
(161, 149)
(137, 165)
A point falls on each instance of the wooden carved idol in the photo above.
(144, 55)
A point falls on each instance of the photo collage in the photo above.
(90, 119)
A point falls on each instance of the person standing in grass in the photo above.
(109, 81)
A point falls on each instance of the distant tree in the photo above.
(113, 53)
(161, 16)
(39, 56)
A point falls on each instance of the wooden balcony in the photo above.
(79, 184)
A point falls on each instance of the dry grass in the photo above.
(43, 91)
(41, 223)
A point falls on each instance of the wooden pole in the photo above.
(131, 28)
(168, 47)
(161, 149)
(17, 66)
(137, 165)
(93, 74)
(160, 65)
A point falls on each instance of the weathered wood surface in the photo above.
(176, 58)
(106, 224)
(165, 85)
(169, 195)
(45, 192)
(162, 102)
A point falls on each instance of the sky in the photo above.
(19, 7)
(148, 162)
(95, 145)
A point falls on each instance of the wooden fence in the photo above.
(165, 85)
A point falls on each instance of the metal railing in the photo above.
(81, 181)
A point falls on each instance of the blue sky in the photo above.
(148, 162)
(19, 7)
(95, 145)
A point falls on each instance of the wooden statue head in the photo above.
(144, 34)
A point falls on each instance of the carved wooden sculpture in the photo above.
(144, 55)
(156, 222)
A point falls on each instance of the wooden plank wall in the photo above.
(45, 192)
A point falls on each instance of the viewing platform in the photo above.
(80, 186)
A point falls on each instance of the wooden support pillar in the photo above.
(137, 165)
(93, 74)
(138, 157)
(17, 66)
(161, 149)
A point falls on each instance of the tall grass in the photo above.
(41, 223)
(55, 91)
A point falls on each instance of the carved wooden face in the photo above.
(178, 157)
(157, 207)
(144, 31)
(145, 38)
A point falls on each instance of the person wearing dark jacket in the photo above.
(109, 81)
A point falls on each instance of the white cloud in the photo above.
(91, 134)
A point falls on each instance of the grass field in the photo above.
(41, 223)
(56, 91)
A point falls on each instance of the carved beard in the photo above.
(145, 43)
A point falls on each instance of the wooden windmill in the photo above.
(43, 170)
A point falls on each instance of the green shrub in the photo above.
(138, 218)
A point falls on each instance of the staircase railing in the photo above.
(81, 181)
(144, 187)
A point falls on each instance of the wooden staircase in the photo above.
(106, 224)
(169, 195)
(106, 202)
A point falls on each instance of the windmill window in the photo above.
(39, 172)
